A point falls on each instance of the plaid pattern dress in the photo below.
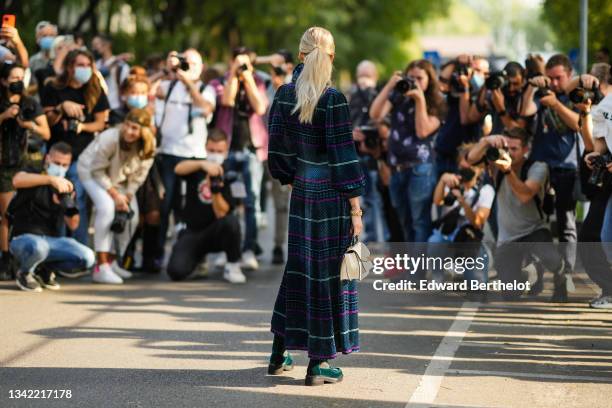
(314, 310)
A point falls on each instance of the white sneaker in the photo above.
(217, 261)
(123, 273)
(249, 261)
(104, 274)
(602, 302)
(233, 274)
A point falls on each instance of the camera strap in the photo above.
(190, 112)
(166, 99)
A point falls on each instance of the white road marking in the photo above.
(428, 387)
(510, 374)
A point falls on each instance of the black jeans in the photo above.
(563, 181)
(593, 257)
(509, 258)
(193, 245)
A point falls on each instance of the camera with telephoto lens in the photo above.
(581, 95)
(372, 138)
(68, 204)
(120, 221)
(218, 182)
(493, 153)
(496, 80)
(600, 169)
(450, 198)
(183, 65)
(455, 82)
(73, 125)
(404, 85)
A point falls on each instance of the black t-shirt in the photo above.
(14, 138)
(32, 211)
(51, 96)
(198, 213)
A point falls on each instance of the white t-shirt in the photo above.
(602, 120)
(111, 79)
(176, 139)
(485, 200)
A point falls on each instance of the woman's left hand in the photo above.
(357, 224)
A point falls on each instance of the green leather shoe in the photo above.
(286, 365)
(323, 373)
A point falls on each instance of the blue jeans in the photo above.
(30, 250)
(80, 234)
(606, 230)
(239, 161)
(437, 239)
(372, 204)
(411, 193)
(166, 164)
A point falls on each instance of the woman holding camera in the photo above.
(20, 117)
(76, 107)
(415, 104)
(112, 169)
(312, 149)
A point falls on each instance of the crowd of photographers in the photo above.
(176, 143)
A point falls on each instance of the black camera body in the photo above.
(404, 85)
(542, 92)
(496, 80)
(241, 69)
(73, 125)
(218, 182)
(120, 221)
(581, 95)
(493, 153)
(455, 83)
(599, 164)
(450, 198)
(372, 138)
(183, 65)
(68, 204)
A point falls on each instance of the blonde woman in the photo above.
(112, 168)
(311, 148)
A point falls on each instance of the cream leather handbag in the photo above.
(356, 264)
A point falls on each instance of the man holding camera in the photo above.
(555, 143)
(242, 103)
(521, 185)
(211, 226)
(43, 203)
(184, 108)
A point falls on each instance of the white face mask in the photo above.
(217, 158)
(56, 170)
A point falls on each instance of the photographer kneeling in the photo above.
(211, 226)
(43, 203)
(466, 205)
(112, 168)
(521, 188)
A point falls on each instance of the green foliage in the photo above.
(564, 18)
(370, 29)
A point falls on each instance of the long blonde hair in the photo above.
(317, 45)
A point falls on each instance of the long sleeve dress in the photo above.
(314, 309)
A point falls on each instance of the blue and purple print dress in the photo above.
(314, 309)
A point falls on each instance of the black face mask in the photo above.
(96, 54)
(466, 174)
(16, 87)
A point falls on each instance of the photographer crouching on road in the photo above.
(415, 104)
(212, 193)
(112, 169)
(43, 203)
(523, 200)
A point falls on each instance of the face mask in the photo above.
(16, 87)
(46, 42)
(466, 174)
(137, 101)
(56, 170)
(477, 81)
(97, 54)
(82, 74)
(217, 158)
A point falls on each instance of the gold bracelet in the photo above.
(356, 212)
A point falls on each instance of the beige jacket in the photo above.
(105, 162)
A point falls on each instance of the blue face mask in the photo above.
(56, 170)
(82, 74)
(46, 42)
(137, 101)
(476, 81)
